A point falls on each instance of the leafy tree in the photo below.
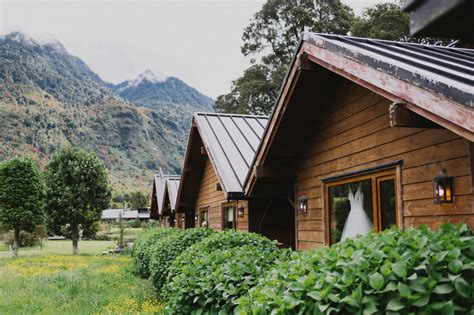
(77, 191)
(21, 197)
(270, 40)
(383, 21)
(136, 199)
(387, 21)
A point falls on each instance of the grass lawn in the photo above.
(60, 247)
(67, 284)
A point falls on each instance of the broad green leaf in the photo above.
(444, 288)
(376, 281)
(455, 266)
(394, 305)
(403, 289)
(400, 269)
(463, 288)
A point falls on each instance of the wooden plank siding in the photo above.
(354, 133)
(212, 200)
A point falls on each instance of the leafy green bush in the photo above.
(211, 281)
(141, 250)
(414, 271)
(164, 251)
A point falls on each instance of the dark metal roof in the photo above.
(441, 18)
(445, 70)
(231, 141)
(172, 185)
(160, 183)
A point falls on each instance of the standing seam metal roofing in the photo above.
(231, 141)
(160, 183)
(448, 71)
(172, 184)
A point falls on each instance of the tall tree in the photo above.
(387, 21)
(77, 191)
(382, 21)
(270, 40)
(22, 194)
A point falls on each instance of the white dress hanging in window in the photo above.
(357, 221)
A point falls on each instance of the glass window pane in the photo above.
(387, 203)
(229, 217)
(350, 209)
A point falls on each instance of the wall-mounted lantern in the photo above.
(241, 211)
(195, 217)
(303, 204)
(442, 188)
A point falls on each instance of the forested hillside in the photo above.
(50, 99)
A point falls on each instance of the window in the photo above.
(203, 218)
(358, 205)
(229, 220)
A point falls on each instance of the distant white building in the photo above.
(114, 214)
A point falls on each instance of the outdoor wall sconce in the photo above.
(241, 211)
(442, 188)
(195, 217)
(303, 204)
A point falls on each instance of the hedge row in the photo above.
(203, 271)
(416, 271)
(213, 273)
(142, 247)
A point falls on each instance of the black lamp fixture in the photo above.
(241, 211)
(303, 204)
(442, 188)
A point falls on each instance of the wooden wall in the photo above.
(354, 133)
(212, 199)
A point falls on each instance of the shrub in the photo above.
(27, 239)
(142, 246)
(211, 282)
(414, 271)
(167, 249)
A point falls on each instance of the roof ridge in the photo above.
(230, 115)
(331, 36)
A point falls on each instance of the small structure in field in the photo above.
(141, 214)
(367, 134)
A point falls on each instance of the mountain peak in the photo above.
(25, 39)
(149, 76)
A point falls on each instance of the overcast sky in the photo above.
(196, 41)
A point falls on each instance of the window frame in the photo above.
(376, 176)
(201, 210)
(224, 206)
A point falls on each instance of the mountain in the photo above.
(156, 90)
(169, 96)
(50, 99)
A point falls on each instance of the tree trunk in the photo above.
(75, 240)
(16, 242)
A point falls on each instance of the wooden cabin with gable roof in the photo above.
(221, 148)
(367, 134)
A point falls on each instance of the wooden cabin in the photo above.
(163, 201)
(221, 148)
(157, 194)
(369, 134)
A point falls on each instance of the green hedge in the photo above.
(212, 274)
(141, 248)
(416, 271)
(164, 251)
